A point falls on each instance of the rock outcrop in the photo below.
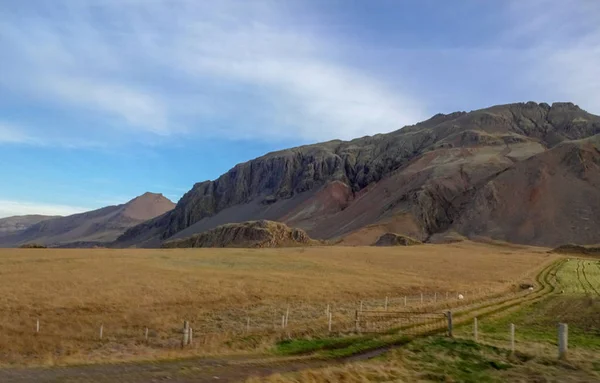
(254, 234)
(393, 239)
(427, 178)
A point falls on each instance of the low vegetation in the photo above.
(73, 292)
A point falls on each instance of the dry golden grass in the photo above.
(73, 292)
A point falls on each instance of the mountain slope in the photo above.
(550, 199)
(94, 227)
(12, 225)
(414, 181)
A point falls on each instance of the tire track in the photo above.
(585, 290)
(587, 280)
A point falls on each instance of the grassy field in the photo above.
(74, 292)
(439, 358)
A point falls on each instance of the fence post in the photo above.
(146, 334)
(512, 338)
(475, 330)
(357, 324)
(287, 315)
(386, 303)
(563, 340)
(327, 311)
(186, 334)
(191, 331)
(450, 327)
(101, 330)
(330, 320)
(37, 326)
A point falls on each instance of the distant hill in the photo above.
(524, 172)
(12, 225)
(92, 228)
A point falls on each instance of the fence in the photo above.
(407, 313)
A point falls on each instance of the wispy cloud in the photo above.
(229, 69)
(11, 134)
(10, 208)
(561, 43)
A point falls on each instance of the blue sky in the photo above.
(102, 100)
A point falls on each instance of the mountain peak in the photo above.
(147, 206)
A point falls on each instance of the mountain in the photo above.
(95, 227)
(430, 178)
(12, 225)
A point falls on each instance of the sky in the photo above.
(103, 100)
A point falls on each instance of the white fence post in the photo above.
(512, 338)
(563, 340)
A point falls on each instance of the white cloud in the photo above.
(11, 134)
(562, 48)
(10, 208)
(227, 68)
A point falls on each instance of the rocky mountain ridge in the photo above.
(415, 181)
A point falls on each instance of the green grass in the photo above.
(338, 347)
(440, 358)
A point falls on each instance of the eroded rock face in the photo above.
(429, 171)
(255, 234)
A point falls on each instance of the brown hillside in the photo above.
(550, 199)
(91, 228)
(255, 234)
(421, 177)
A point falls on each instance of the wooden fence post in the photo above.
(37, 326)
(512, 338)
(330, 320)
(475, 330)
(563, 340)
(186, 334)
(450, 327)
(386, 303)
(327, 311)
(191, 331)
(101, 330)
(287, 316)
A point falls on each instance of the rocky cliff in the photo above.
(416, 181)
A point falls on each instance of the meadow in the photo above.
(488, 358)
(73, 292)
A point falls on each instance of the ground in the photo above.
(439, 358)
(74, 292)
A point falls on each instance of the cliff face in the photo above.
(419, 178)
